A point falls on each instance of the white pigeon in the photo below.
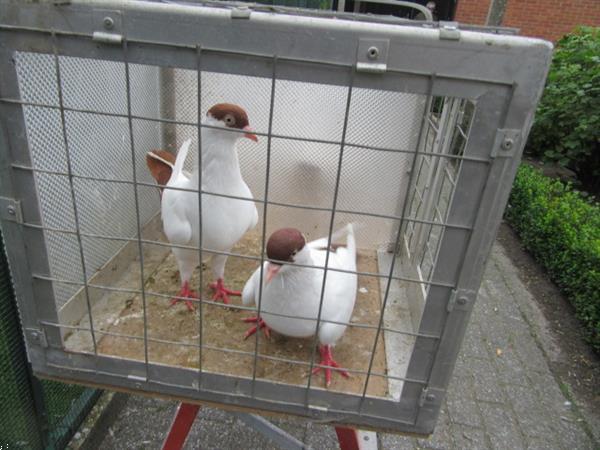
(296, 291)
(224, 220)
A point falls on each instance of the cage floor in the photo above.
(223, 329)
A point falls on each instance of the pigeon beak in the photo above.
(248, 134)
(272, 270)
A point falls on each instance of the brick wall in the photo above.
(548, 19)
(472, 11)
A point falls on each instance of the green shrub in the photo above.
(562, 231)
(566, 129)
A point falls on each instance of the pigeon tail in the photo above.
(180, 161)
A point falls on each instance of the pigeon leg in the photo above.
(327, 360)
(260, 324)
(187, 293)
(221, 292)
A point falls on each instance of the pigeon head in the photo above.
(232, 116)
(284, 245)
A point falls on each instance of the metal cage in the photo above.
(415, 131)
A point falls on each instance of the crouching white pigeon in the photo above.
(296, 291)
(224, 220)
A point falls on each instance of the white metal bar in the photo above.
(72, 191)
(330, 233)
(137, 205)
(264, 218)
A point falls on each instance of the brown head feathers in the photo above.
(233, 115)
(284, 244)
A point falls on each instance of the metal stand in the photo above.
(348, 438)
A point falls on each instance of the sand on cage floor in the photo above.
(223, 328)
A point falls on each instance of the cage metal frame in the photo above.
(502, 75)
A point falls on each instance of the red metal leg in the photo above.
(348, 438)
(180, 428)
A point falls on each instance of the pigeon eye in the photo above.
(229, 120)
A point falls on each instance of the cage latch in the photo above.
(372, 55)
(37, 337)
(110, 24)
(10, 210)
(449, 31)
(506, 142)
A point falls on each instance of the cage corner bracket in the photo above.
(10, 210)
(460, 299)
(506, 142)
(372, 55)
(37, 337)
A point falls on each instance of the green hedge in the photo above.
(561, 229)
(566, 128)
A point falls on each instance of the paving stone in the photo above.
(468, 438)
(532, 417)
(485, 381)
(321, 437)
(501, 427)
(473, 345)
(572, 435)
(548, 390)
(507, 441)
(464, 411)
(540, 443)
(440, 439)
(461, 384)
(396, 442)
(215, 435)
(529, 352)
(510, 369)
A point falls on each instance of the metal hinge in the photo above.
(449, 31)
(506, 142)
(10, 210)
(37, 337)
(425, 396)
(372, 55)
(108, 26)
(241, 12)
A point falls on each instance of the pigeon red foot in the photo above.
(327, 360)
(187, 293)
(221, 292)
(260, 324)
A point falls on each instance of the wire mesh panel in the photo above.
(353, 122)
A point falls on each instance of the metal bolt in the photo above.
(109, 23)
(430, 397)
(11, 210)
(507, 144)
(462, 300)
(372, 53)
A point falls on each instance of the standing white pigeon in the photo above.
(224, 220)
(296, 291)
